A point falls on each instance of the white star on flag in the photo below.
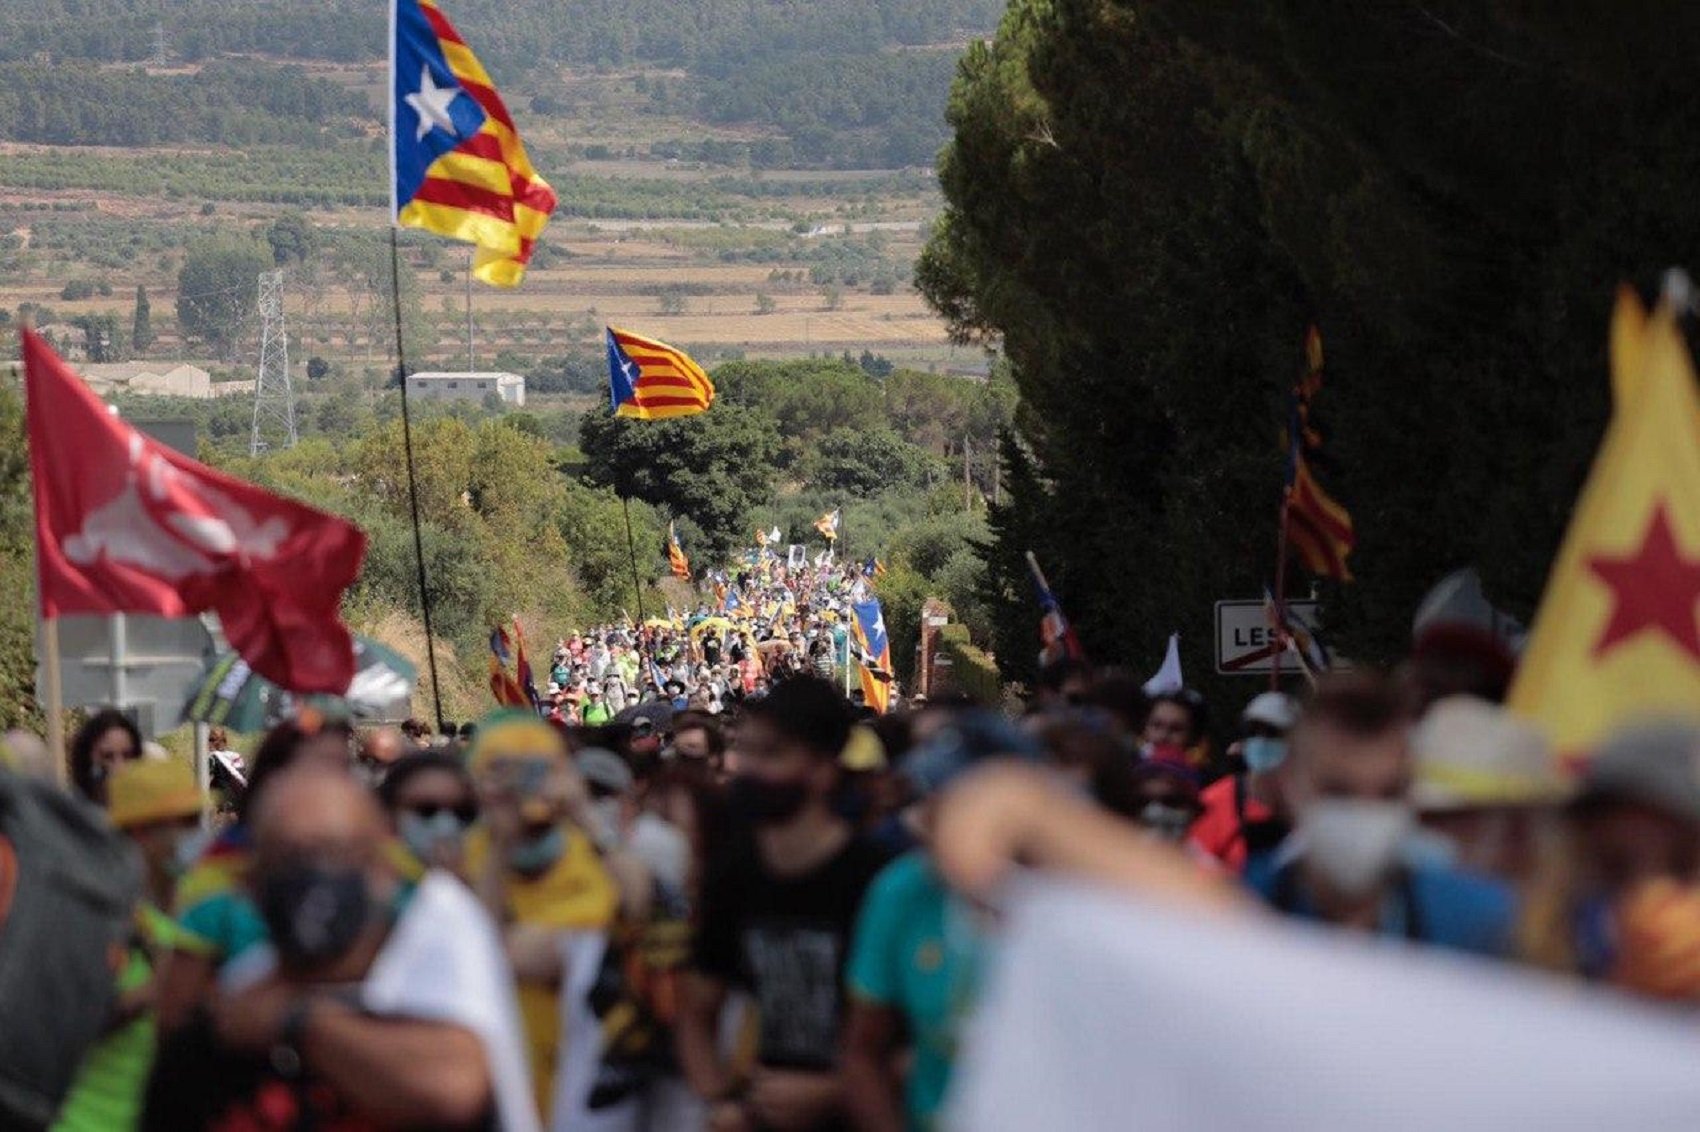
(431, 102)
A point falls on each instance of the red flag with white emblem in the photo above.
(126, 525)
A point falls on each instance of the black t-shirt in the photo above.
(786, 940)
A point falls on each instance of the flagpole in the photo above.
(413, 484)
(637, 582)
(1280, 590)
(55, 701)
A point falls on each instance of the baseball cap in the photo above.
(150, 790)
(1272, 709)
(512, 734)
(1654, 764)
(1472, 754)
(604, 768)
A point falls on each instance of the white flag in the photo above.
(1168, 677)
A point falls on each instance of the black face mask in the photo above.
(767, 803)
(314, 913)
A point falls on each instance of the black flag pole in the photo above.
(413, 485)
(637, 585)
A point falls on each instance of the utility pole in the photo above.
(274, 392)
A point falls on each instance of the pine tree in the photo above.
(141, 331)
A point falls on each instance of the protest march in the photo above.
(749, 857)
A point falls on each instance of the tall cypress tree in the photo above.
(141, 330)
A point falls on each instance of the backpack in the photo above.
(69, 885)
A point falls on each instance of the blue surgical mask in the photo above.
(1261, 753)
(539, 853)
(427, 837)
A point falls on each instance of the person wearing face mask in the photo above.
(918, 953)
(157, 806)
(1166, 800)
(776, 916)
(635, 1083)
(549, 872)
(1634, 823)
(214, 905)
(1243, 812)
(372, 1010)
(1348, 777)
(431, 805)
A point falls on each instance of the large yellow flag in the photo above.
(1617, 636)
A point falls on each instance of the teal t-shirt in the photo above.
(917, 951)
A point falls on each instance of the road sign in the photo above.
(141, 663)
(1245, 644)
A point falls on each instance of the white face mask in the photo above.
(1354, 842)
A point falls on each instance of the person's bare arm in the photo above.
(696, 1035)
(183, 983)
(1010, 814)
(398, 1072)
(871, 1089)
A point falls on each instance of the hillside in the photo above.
(743, 176)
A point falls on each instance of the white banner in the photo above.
(1109, 1015)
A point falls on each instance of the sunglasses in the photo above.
(466, 813)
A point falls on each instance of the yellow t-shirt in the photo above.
(574, 894)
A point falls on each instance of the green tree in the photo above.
(1453, 207)
(292, 237)
(103, 341)
(713, 467)
(141, 323)
(17, 571)
(866, 463)
(218, 287)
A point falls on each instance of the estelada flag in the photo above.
(126, 525)
(676, 560)
(1616, 638)
(457, 165)
(506, 688)
(868, 625)
(653, 381)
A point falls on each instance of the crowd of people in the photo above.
(783, 914)
(765, 622)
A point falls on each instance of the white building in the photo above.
(169, 379)
(510, 387)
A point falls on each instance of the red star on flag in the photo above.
(1655, 588)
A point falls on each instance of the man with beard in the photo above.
(776, 917)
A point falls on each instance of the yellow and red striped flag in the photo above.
(1318, 528)
(652, 381)
(676, 560)
(457, 165)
